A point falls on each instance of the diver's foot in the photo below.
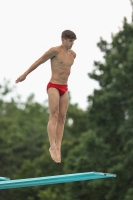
(53, 153)
(58, 155)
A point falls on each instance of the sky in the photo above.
(28, 28)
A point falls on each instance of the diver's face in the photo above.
(68, 43)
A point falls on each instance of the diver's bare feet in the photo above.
(53, 153)
(59, 155)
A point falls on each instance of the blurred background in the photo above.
(98, 133)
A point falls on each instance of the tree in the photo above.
(112, 109)
(108, 145)
(24, 144)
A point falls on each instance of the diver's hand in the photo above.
(21, 78)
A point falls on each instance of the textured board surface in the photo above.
(4, 178)
(28, 182)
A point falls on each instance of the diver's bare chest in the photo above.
(65, 59)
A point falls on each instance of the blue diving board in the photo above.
(4, 178)
(28, 182)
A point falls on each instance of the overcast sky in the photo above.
(28, 28)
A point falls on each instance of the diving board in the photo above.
(28, 182)
(4, 178)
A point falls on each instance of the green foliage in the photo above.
(98, 139)
(24, 144)
(110, 110)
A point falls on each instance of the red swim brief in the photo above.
(61, 88)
